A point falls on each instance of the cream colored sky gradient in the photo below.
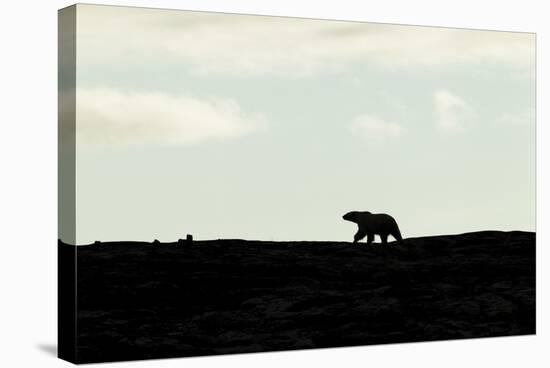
(270, 128)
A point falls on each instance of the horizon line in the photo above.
(156, 241)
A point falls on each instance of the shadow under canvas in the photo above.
(50, 349)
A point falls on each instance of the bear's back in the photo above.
(381, 222)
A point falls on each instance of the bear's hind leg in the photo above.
(384, 238)
(397, 235)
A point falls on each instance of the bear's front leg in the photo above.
(370, 239)
(359, 235)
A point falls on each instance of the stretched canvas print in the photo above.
(238, 183)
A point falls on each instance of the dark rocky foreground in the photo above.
(139, 300)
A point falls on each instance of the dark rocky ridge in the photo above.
(139, 300)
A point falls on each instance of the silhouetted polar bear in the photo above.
(371, 224)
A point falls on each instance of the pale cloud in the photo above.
(216, 43)
(452, 113)
(525, 117)
(375, 129)
(108, 116)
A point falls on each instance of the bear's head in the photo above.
(350, 216)
(356, 216)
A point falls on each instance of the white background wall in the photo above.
(28, 220)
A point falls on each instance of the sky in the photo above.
(271, 128)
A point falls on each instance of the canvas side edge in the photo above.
(67, 308)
